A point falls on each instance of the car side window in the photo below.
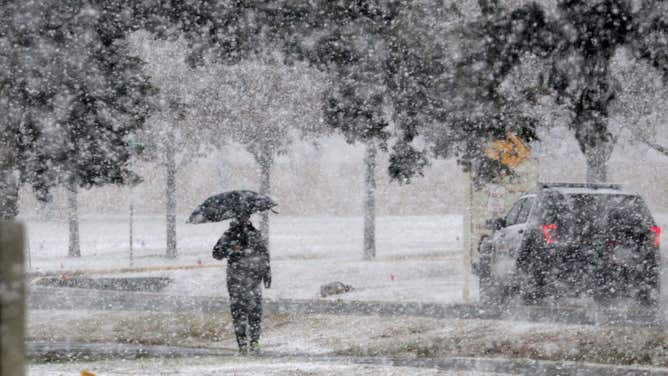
(525, 210)
(511, 218)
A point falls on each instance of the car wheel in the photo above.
(530, 281)
(485, 251)
(490, 290)
(531, 288)
(649, 288)
(493, 292)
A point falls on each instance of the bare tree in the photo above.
(640, 108)
(74, 249)
(265, 108)
(661, 149)
(171, 125)
(370, 202)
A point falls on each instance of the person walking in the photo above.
(247, 267)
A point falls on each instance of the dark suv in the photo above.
(570, 240)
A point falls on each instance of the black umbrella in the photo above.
(231, 204)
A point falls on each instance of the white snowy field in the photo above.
(419, 258)
(104, 240)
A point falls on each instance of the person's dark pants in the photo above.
(246, 307)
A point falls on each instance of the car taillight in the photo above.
(656, 235)
(549, 232)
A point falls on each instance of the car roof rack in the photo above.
(580, 185)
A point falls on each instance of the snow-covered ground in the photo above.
(104, 240)
(228, 366)
(354, 336)
(419, 258)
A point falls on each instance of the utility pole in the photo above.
(12, 299)
(468, 238)
(131, 219)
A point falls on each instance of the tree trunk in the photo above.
(266, 160)
(370, 203)
(592, 117)
(597, 161)
(131, 221)
(73, 219)
(45, 210)
(596, 167)
(170, 164)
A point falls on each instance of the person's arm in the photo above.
(261, 248)
(266, 278)
(222, 247)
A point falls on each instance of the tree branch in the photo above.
(661, 149)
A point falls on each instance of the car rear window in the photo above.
(599, 210)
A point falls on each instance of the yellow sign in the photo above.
(87, 373)
(510, 152)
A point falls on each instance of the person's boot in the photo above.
(254, 348)
(243, 345)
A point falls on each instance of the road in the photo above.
(83, 299)
(68, 351)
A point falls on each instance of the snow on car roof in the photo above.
(590, 191)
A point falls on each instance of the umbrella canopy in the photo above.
(231, 204)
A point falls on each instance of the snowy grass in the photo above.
(370, 336)
(465, 338)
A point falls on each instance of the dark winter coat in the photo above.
(247, 256)
(247, 266)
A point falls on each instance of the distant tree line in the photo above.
(418, 80)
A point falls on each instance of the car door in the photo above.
(503, 266)
(516, 233)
